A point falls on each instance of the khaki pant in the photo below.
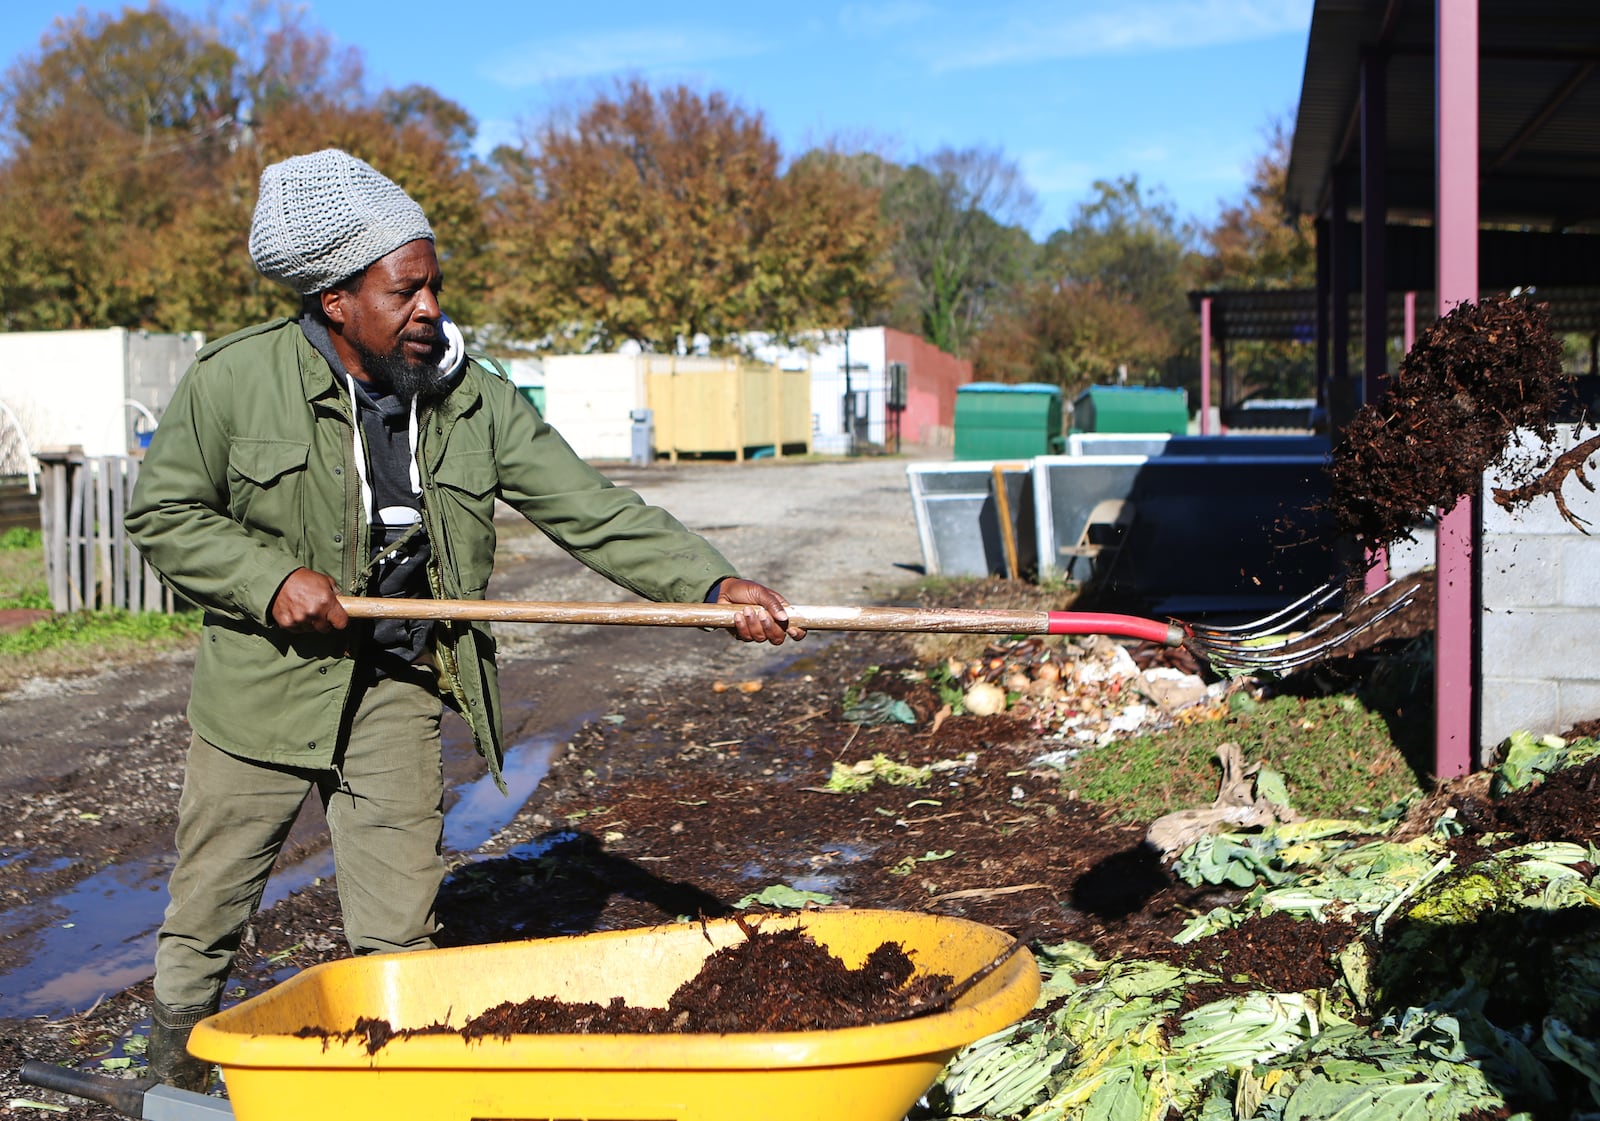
(384, 801)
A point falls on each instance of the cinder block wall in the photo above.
(1541, 610)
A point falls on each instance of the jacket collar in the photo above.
(316, 376)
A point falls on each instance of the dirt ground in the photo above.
(90, 768)
(687, 773)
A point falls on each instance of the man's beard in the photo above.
(409, 379)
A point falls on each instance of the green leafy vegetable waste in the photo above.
(1408, 1032)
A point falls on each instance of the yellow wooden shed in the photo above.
(721, 405)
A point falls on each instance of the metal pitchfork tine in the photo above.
(1272, 644)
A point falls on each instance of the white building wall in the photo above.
(72, 388)
(866, 348)
(155, 364)
(1541, 611)
(588, 399)
(66, 388)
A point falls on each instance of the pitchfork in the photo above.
(1274, 644)
(1269, 645)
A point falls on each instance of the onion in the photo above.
(985, 699)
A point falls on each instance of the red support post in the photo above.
(1456, 228)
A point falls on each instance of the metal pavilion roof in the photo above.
(1489, 118)
(1539, 115)
(1290, 314)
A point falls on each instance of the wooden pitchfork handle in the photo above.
(951, 621)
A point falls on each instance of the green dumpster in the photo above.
(997, 421)
(1131, 408)
(533, 394)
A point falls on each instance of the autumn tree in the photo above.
(1104, 298)
(133, 148)
(665, 217)
(960, 244)
(1130, 241)
(1258, 243)
(1072, 334)
(94, 127)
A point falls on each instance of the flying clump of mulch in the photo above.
(1479, 374)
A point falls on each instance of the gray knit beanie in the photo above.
(325, 216)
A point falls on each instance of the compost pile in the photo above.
(780, 980)
(1479, 374)
(1449, 967)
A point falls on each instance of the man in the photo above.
(356, 450)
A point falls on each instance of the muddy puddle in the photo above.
(100, 935)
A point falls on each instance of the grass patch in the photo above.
(1337, 756)
(80, 642)
(22, 582)
(1340, 754)
(87, 641)
(99, 628)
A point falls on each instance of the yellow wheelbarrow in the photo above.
(871, 1073)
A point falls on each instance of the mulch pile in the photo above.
(1479, 374)
(772, 981)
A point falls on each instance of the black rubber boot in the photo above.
(168, 1054)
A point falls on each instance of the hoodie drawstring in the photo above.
(454, 353)
(359, 444)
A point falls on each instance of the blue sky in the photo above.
(1180, 92)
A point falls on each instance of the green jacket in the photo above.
(250, 476)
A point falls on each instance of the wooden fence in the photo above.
(19, 507)
(89, 561)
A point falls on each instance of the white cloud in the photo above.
(1194, 172)
(1050, 172)
(639, 50)
(1078, 30)
(877, 19)
(1147, 154)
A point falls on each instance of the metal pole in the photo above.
(1456, 228)
(1339, 388)
(1324, 285)
(1378, 562)
(1374, 224)
(1205, 365)
(1374, 266)
(849, 399)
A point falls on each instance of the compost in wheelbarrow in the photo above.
(875, 1071)
(774, 980)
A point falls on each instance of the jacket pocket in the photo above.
(265, 481)
(472, 473)
(262, 462)
(468, 484)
